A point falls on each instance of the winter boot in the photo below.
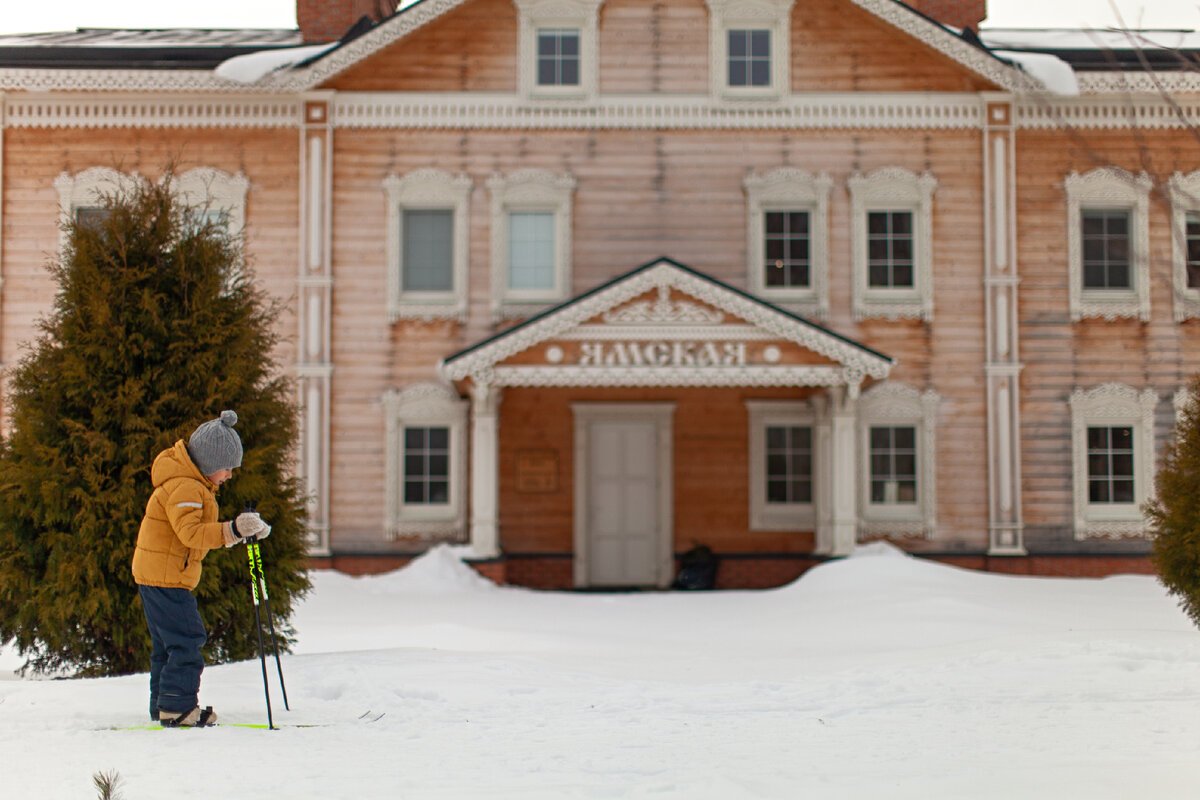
(196, 718)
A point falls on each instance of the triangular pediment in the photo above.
(974, 60)
(667, 325)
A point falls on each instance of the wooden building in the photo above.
(588, 283)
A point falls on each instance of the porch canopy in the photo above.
(663, 325)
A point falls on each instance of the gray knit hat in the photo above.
(215, 445)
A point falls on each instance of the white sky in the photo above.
(27, 16)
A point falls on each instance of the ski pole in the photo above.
(262, 580)
(262, 656)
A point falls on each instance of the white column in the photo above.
(1003, 369)
(485, 473)
(843, 526)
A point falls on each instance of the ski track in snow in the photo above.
(878, 676)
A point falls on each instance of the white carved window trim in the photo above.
(1185, 196)
(790, 189)
(1109, 405)
(535, 15)
(212, 189)
(766, 516)
(427, 189)
(1109, 188)
(770, 15)
(424, 404)
(530, 190)
(893, 189)
(87, 189)
(896, 404)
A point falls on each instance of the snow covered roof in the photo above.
(1096, 49)
(105, 48)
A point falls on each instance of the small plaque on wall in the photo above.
(537, 471)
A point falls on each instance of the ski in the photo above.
(366, 717)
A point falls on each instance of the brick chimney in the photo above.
(956, 13)
(327, 20)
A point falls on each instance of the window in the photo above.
(783, 465)
(1112, 431)
(426, 465)
(893, 463)
(749, 58)
(787, 239)
(1105, 249)
(214, 196)
(426, 462)
(1108, 244)
(558, 57)
(892, 243)
(557, 44)
(750, 48)
(427, 244)
(531, 241)
(1184, 191)
(897, 431)
(890, 249)
(81, 196)
(92, 217)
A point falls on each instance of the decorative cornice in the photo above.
(671, 376)
(1124, 111)
(109, 111)
(182, 81)
(616, 112)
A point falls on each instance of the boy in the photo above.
(178, 530)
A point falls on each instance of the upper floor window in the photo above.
(750, 48)
(427, 244)
(531, 241)
(558, 57)
(1112, 447)
(81, 196)
(1108, 244)
(1184, 191)
(214, 196)
(891, 232)
(787, 228)
(557, 49)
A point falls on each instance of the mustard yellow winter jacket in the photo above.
(180, 525)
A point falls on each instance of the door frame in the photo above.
(662, 415)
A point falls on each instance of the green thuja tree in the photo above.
(1175, 511)
(157, 326)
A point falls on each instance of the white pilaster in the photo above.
(1003, 369)
(843, 524)
(313, 311)
(485, 474)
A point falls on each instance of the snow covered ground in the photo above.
(878, 676)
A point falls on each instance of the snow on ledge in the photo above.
(253, 67)
(1054, 73)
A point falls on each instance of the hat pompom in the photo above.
(229, 418)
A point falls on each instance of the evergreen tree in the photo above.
(1175, 511)
(157, 326)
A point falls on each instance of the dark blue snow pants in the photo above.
(176, 662)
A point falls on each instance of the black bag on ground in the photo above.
(697, 569)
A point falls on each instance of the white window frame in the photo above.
(1109, 188)
(212, 189)
(427, 190)
(883, 190)
(1111, 405)
(773, 16)
(1185, 197)
(766, 516)
(530, 190)
(535, 15)
(425, 405)
(894, 404)
(790, 189)
(87, 189)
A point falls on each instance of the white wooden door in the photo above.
(623, 515)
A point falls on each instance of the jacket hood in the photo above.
(175, 462)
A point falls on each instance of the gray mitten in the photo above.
(249, 525)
